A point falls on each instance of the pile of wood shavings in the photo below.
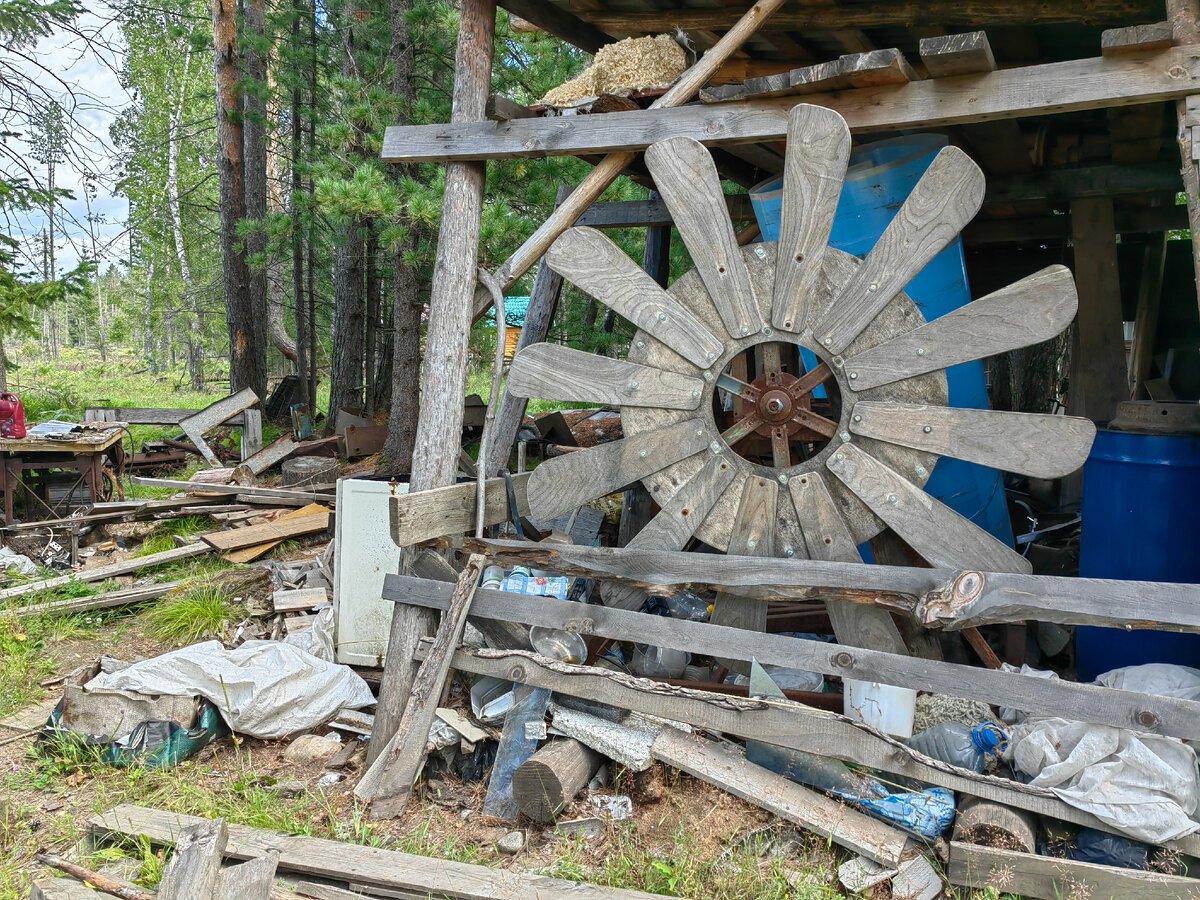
(629, 65)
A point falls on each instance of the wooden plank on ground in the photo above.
(1047, 878)
(1058, 87)
(420, 515)
(213, 415)
(103, 573)
(276, 451)
(783, 724)
(246, 490)
(251, 880)
(731, 771)
(299, 600)
(282, 529)
(143, 415)
(400, 767)
(369, 866)
(194, 870)
(244, 553)
(107, 600)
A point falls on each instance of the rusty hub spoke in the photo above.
(737, 387)
(741, 429)
(810, 381)
(820, 424)
(779, 447)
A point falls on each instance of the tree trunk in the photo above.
(346, 382)
(254, 79)
(148, 334)
(247, 354)
(371, 351)
(302, 357)
(3, 366)
(443, 382)
(406, 296)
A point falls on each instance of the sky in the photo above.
(87, 63)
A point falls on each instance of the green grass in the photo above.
(195, 614)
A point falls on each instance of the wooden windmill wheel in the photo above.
(783, 461)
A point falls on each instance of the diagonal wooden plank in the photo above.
(1043, 446)
(280, 530)
(556, 372)
(686, 177)
(818, 149)
(593, 263)
(930, 527)
(1026, 312)
(213, 415)
(943, 201)
(565, 482)
(729, 770)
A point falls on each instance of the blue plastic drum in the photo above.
(1140, 521)
(879, 179)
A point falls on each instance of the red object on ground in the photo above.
(12, 416)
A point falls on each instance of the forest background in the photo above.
(338, 247)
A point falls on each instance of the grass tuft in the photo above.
(192, 615)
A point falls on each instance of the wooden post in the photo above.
(1145, 325)
(399, 768)
(444, 373)
(1184, 16)
(550, 779)
(443, 379)
(1098, 380)
(543, 302)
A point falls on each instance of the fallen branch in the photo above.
(94, 879)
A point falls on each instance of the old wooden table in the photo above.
(87, 453)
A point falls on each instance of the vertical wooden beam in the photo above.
(1098, 373)
(443, 379)
(543, 302)
(1184, 16)
(1145, 324)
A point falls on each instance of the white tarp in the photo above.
(1143, 785)
(264, 689)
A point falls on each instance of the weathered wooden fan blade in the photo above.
(828, 539)
(818, 148)
(675, 523)
(930, 527)
(1024, 313)
(1026, 443)
(555, 372)
(563, 483)
(687, 179)
(943, 201)
(753, 534)
(592, 262)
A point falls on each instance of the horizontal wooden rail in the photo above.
(1052, 88)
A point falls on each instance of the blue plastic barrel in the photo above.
(878, 181)
(1140, 521)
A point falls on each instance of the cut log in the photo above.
(550, 779)
(995, 825)
(305, 471)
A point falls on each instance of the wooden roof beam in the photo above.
(902, 14)
(1004, 94)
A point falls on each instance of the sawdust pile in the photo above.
(629, 65)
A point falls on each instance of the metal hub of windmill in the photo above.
(739, 444)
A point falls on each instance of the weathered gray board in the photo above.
(1060, 87)
(212, 416)
(949, 597)
(1085, 702)
(372, 867)
(783, 724)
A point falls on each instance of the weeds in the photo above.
(192, 614)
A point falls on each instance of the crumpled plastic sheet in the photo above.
(1143, 785)
(10, 559)
(1163, 679)
(263, 689)
(318, 639)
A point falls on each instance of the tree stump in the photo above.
(550, 779)
(305, 471)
